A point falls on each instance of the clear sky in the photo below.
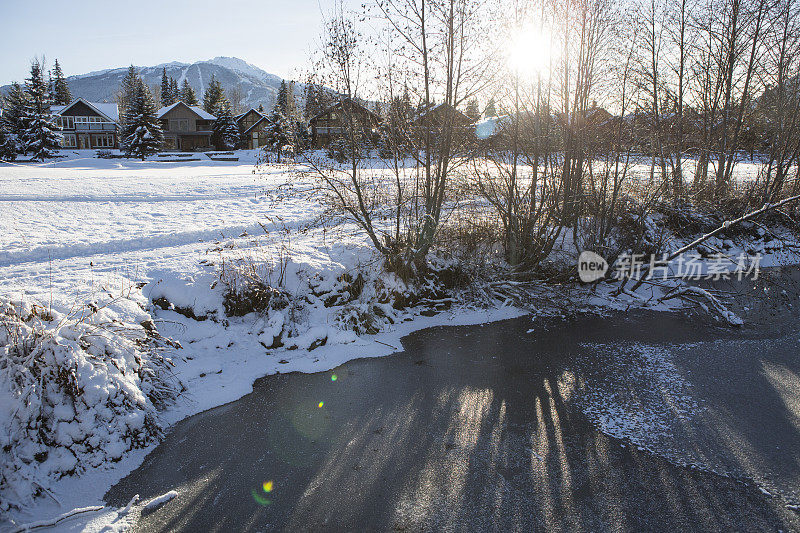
(86, 35)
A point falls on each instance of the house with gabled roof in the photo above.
(185, 127)
(333, 122)
(86, 125)
(252, 128)
(437, 115)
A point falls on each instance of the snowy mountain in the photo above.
(257, 86)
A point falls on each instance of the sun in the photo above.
(530, 52)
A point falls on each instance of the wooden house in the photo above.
(186, 128)
(252, 128)
(333, 123)
(437, 116)
(88, 125)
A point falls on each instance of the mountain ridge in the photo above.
(257, 86)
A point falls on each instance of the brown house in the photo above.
(86, 125)
(186, 128)
(437, 115)
(333, 122)
(252, 125)
(431, 122)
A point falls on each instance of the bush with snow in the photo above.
(77, 390)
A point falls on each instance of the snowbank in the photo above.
(78, 390)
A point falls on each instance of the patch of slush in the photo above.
(634, 392)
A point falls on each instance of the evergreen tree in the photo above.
(40, 136)
(8, 146)
(61, 94)
(279, 132)
(291, 104)
(175, 93)
(302, 135)
(225, 133)
(127, 91)
(311, 106)
(214, 98)
(490, 110)
(187, 95)
(13, 119)
(473, 111)
(285, 104)
(141, 134)
(167, 98)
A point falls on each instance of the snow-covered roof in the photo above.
(489, 126)
(341, 102)
(242, 115)
(202, 113)
(445, 106)
(109, 111)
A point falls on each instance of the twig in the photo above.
(56, 520)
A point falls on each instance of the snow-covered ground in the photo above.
(117, 231)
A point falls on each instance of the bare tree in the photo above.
(235, 97)
(439, 53)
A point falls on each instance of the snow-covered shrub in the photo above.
(365, 318)
(75, 391)
(246, 292)
(337, 150)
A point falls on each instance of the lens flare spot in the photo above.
(320, 404)
(268, 486)
(259, 499)
(334, 377)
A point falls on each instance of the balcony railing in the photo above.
(95, 126)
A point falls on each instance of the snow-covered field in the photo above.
(118, 232)
(66, 223)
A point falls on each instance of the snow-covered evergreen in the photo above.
(141, 134)
(187, 95)
(214, 98)
(61, 94)
(12, 122)
(285, 101)
(8, 145)
(40, 136)
(279, 131)
(225, 134)
(173, 89)
(127, 90)
(167, 98)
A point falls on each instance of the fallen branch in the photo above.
(732, 318)
(52, 522)
(725, 225)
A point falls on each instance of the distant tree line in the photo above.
(28, 127)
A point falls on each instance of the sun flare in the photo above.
(530, 52)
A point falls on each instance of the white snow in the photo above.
(85, 229)
(158, 501)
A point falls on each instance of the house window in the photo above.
(81, 119)
(69, 141)
(179, 124)
(103, 141)
(68, 122)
